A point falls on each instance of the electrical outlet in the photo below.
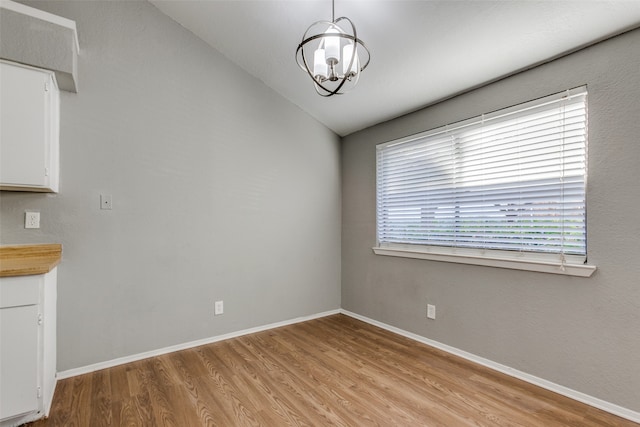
(431, 311)
(32, 220)
(218, 308)
(106, 202)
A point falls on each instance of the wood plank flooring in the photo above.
(331, 371)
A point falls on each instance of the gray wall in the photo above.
(580, 333)
(221, 190)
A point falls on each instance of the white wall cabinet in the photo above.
(29, 128)
(27, 347)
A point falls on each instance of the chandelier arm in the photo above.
(304, 67)
(317, 36)
(317, 83)
(331, 24)
(328, 91)
(337, 89)
(368, 54)
(344, 18)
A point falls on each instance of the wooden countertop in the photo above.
(25, 260)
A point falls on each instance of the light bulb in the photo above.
(347, 52)
(319, 64)
(332, 46)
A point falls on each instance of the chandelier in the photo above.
(331, 56)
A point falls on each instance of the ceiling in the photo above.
(421, 51)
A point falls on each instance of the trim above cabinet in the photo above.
(33, 37)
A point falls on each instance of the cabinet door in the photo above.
(25, 127)
(18, 360)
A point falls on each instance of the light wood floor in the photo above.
(330, 371)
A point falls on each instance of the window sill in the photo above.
(579, 270)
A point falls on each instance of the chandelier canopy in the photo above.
(332, 56)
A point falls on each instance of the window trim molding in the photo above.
(515, 261)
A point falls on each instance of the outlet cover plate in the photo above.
(218, 308)
(32, 220)
(106, 202)
(431, 311)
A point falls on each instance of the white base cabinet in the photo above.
(29, 128)
(27, 347)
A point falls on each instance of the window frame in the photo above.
(557, 263)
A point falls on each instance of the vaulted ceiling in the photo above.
(421, 51)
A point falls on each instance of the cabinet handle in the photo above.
(39, 318)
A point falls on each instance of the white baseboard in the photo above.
(135, 357)
(565, 391)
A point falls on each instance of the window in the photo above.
(505, 189)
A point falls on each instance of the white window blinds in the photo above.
(512, 180)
